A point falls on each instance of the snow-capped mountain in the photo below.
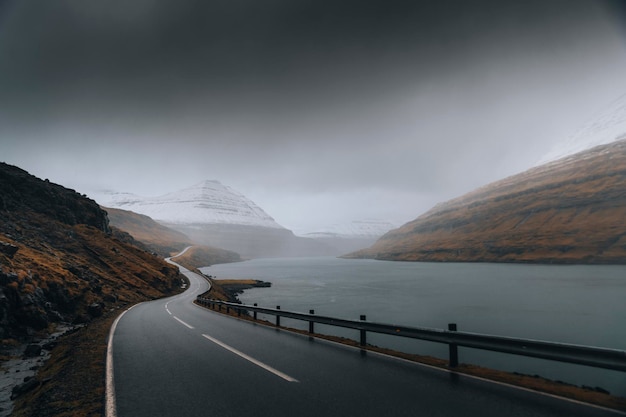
(607, 126)
(208, 202)
(213, 214)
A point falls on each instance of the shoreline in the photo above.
(235, 287)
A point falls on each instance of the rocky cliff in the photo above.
(60, 261)
(572, 210)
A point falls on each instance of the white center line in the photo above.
(251, 359)
(191, 327)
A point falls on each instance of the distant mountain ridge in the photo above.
(355, 229)
(348, 237)
(572, 210)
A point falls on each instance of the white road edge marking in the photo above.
(251, 359)
(110, 407)
(182, 322)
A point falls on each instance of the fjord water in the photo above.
(570, 304)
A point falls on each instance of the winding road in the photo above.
(170, 357)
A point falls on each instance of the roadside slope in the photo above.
(61, 263)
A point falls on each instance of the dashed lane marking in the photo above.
(183, 323)
(251, 359)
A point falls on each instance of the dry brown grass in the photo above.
(201, 256)
(72, 381)
(567, 212)
(159, 238)
(69, 267)
(89, 265)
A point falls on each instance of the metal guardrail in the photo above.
(613, 359)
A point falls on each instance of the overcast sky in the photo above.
(320, 111)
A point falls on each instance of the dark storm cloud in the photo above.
(402, 101)
(153, 56)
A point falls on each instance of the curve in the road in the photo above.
(198, 358)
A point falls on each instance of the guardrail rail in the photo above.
(597, 357)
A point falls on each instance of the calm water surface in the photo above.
(572, 304)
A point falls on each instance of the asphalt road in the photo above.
(172, 358)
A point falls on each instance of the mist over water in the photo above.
(569, 304)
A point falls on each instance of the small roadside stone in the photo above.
(95, 310)
(28, 385)
(32, 350)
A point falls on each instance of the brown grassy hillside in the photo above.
(156, 237)
(60, 261)
(568, 211)
(166, 241)
(200, 256)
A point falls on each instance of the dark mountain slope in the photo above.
(60, 260)
(166, 241)
(161, 239)
(569, 211)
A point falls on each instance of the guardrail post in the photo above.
(238, 312)
(363, 337)
(454, 350)
(254, 313)
(311, 330)
(582, 355)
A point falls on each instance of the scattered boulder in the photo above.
(111, 298)
(81, 319)
(8, 249)
(28, 385)
(7, 278)
(50, 345)
(95, 309)
(33, 317)
(32, 350)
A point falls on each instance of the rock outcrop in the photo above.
(59, 256)
(22, 192)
